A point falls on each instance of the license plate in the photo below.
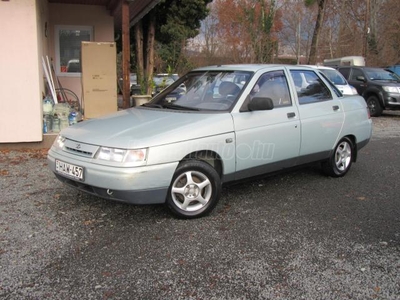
(75, 172)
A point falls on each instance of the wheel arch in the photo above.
(353, 140)
(378, 94)
(208, 156)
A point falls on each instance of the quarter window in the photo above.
(68, 48)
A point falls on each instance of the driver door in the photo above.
(267, 140)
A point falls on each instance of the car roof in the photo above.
(247, 67)
(363, 67)
(319, 67)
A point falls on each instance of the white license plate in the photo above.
(69, 170)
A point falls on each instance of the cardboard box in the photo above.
(99, 78)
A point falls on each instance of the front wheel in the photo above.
(195, 189)
(340, 161)
(374, 106)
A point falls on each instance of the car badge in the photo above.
(78, 146)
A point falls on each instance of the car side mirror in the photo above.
(260, 103)
(361, 78)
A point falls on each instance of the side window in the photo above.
(311, 88)
(355, 74)
(273, 85)
(345, 72)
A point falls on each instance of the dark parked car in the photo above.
(379, 87)
(394, 69)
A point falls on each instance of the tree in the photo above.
(322, 29)
(297, 30)
(389, 33)
(318, 24)
(176, 22)
(262, 32)
(145, 40)
(248, 29)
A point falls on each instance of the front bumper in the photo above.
(135, 185)
(392, 100)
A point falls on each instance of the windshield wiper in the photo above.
(179, 107)
(152, 105)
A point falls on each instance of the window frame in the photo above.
(57, 29)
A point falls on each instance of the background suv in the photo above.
(337, 79)
(380, 88)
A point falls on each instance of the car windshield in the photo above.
(133, 78)
(334, 76)
(163, 81)
(203, 90)
(381, 74)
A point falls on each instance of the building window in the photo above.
(68, 48)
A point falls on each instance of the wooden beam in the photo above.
(113, 6)
(126, 55)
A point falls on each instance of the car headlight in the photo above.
(59, 142)
(353, 90)
(390, 89)
(121, 155)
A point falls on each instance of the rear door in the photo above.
(321, 114)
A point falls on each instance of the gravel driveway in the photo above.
(298, 235)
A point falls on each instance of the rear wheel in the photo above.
(374, 106)
(340, 161)
(195, 189)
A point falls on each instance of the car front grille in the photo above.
(81, 149)
(79, 152)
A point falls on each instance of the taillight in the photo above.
(369, 113)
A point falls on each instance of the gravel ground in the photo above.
(297, 235)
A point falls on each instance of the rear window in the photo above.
(334, 76)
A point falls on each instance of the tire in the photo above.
(195, 189)
(374, 106)
(341, 159)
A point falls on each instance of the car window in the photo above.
(163, 81)
(355, 73)
(332, 85)
(380, 74)
(208, 90)
(273, 85)
(311, 88)
(334, 76)
(345, 72)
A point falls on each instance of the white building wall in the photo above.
(27, 35)
(20, 76)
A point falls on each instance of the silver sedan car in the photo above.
(214, 125)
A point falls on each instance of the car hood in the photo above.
(142, 127)
(345, 89)
(386, 83)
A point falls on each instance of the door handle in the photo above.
(291, 115)
(335, 107)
